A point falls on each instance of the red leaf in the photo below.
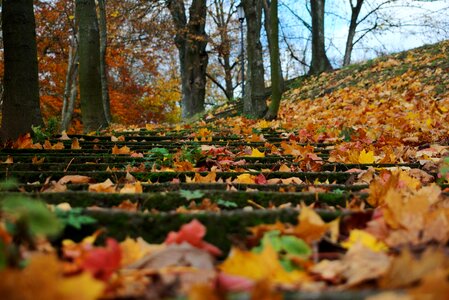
(192, 233)
(260, 179)
(102, 262)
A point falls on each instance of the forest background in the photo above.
(143, 71)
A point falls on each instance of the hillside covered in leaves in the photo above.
(345, 196)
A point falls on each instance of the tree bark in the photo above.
(103, 65)
(71, 87)
(355, 12)
(254, 104)
(320, 63)
(191, 41)
(92, 111)
(276, 73)
(20, 108)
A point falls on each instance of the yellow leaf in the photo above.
(284, 168)
(366, 157)
(367, 240)
(245, 179)
(256, 153)
(259, 266)
(311, 227)
(43, 279)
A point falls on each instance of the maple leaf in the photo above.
(256, 153)
(259, 266)
(192, 233)
(364, 238)
(43, 279)
(366, 157)
(132, 188)
(123, 150)
(245, 179)
(75, 144)
(102, 262)
(312, 228)
(104, 187)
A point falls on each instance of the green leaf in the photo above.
(34, 213)
(226, 204)
(74, 217)
(295, 246)
(190, 195)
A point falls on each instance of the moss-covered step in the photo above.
(171, 187)
(169, 201)
(99, 176)
(221, 227)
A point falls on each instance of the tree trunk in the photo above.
(20, 108)
(320, 63)
(268, 25)
(254, 104)
(92, 111)
(191, 41)
(355, 11)
(276, 73)
(71, 88)
(103, 66)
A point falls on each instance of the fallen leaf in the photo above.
(75, 144)
(256, 153)
(75, 179)
(104, 187)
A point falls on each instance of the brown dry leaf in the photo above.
(64, 136)
(406, 269)
(75, 144)
(183, 166)
(75, 179)
(9, 160)
(132, 188)
(433, 286)
(56, 187)
(311, 227)
(362, 264)
(263, 290)
(292, 180)
(57, 146)
(122, 150)
(128, 206)
(104, 187)
(36, 161)
(209, 178)
(390, 296)
(135, 249)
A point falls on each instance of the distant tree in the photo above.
(92, 110)
(223, 40)
(20, 108)
(191, 41)
(103, 65)
(320, 62)
(254, 104)
(276, 73)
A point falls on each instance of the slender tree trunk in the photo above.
(320, 63)
(71, 87)
(92, 111)
(20, 108)
(355, 12)
(276, 73)
(103, 65)
(254, 104)
(191, 41)
(268, 25)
